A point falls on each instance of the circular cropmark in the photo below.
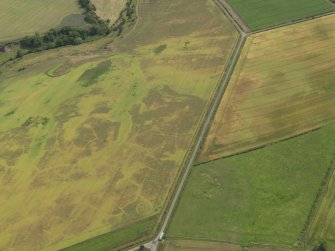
(143, 208)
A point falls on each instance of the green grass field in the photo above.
(195, 245)
(260, 14)
(282, 86)
(323, 224)
(99, 131)
(114, 239)
(19, 18)
(264, 196)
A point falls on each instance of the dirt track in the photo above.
(236, 17)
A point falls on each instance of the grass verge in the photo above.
(114, 239)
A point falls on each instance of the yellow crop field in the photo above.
(109, 9)
(92, 137)
(283, 85)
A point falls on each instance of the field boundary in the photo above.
(317, 203)
(261, 146)
(199, 130)
(202, 128)
(235, 16)
(245, 28)
(293, 22)
(242, 40)
(226, 12)
(254, 244)
(183, 171)
(111, 232)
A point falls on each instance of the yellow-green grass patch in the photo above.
(264, 196)
(93, 141)
(283, 85)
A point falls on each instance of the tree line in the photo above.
(76, 35)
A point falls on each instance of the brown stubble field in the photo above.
(282, 86)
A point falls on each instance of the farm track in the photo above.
(235, 16)
(202, 134)
(152, 245)
(244, 31)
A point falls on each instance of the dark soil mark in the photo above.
(68, 110)
(12, 112)
(35, 121)
(91, 76)
(13, 144)
(102, 109)
(96, 132)
(160, 49)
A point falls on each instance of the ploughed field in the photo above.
(262, 197)
(19, 18)
(260, 14)
(92, 137)
(283, 85)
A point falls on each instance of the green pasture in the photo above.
(260, 14)
(322, 227)
(204, 245)
(114, 239)
(264, 196)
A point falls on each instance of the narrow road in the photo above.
(233, 15)
(152, 245)
(230, 13)
(210, 115)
